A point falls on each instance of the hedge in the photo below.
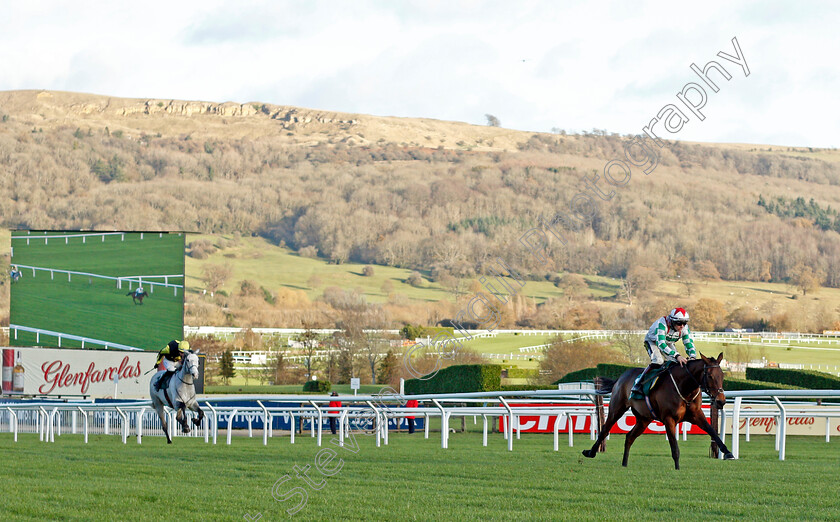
(798, 378)
(459, 379)
(614, 371)
(522, 373)
(587, 374)
(525, 387)
(317, 386)
(611, 371)
(730, 384)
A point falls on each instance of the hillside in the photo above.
(442, 198)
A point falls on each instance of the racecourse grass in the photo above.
(413, 478)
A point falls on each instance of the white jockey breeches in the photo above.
(656, 355)
(169, 365)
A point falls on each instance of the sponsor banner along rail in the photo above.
(582, 422)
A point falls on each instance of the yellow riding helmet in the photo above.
(184, 346)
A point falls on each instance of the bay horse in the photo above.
(179, 394)
(138, 295)
(675, 397)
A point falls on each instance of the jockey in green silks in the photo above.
(660, 342)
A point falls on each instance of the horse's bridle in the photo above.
(704, 381)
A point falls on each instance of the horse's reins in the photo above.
(702, 386)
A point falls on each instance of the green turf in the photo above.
(413, 478)
(95, 307)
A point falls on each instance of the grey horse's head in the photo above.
(191, 364)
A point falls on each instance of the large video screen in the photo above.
(115, 290)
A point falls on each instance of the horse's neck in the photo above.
(692, 381)
(185, 376)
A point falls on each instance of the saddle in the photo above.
(650, 380)
(163, 382)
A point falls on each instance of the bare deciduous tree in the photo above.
(215, 276)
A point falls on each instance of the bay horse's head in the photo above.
(712, 381)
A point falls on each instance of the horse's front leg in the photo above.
(670, 430)
(182, 419)
(637, 430)
(605, 430)
(701, 422)
(162, 416)
(197, 409)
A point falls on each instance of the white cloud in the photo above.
(535, 65)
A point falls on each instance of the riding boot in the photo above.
(637, 387)
(163, 378)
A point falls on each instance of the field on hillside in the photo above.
(94, 305)
(254, 258)
(272, 266)
(413, 478)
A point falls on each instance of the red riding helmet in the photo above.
(678, 316)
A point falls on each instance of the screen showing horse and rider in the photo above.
(116, 290)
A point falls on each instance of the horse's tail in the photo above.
(603, 385)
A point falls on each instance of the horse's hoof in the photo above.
(588, 454)
(169, 442)
(728, 456)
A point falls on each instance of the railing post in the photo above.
(215, 421)
(85, 415)
(139, 426)
(780, 430)
(266, 420)
(444, 426)
(560, 415)
(736, 419)
(341, 420)
(51, 427)
(13, 418)
(42, 423)
(124, 425)
(377, 428)
(292, 419)
(320, 420)
(509, 428)
(230, 424)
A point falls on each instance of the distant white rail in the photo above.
(66, 237)
(118, 279)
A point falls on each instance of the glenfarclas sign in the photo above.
(69, 372)
(58, 374)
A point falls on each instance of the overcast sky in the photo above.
(534, 65)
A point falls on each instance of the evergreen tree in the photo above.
(227, 370)
(387, 369)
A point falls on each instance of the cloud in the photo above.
(535, 65)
